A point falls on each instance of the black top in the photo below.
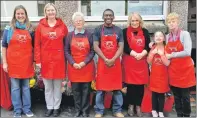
(127, 49)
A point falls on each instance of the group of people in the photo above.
(124, 56)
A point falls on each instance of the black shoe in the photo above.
(48, 112)
(78, 114)
(56, 112)
(179, 115)
(85, 115)
(184, 115)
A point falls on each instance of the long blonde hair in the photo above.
(139, 17)
(13, 21)
(48, 5)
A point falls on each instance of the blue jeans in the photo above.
(117, 102)
(18, 86)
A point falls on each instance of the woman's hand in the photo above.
(169, 56)
(5, 67)
(76, 66)
(139, 56)
(82, 64)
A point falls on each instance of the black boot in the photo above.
(56, 112)
(179, 115)
(184, 115)
(77, 114)
(48, 112)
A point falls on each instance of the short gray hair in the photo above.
(77, 14)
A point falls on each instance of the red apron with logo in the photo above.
(80, 48)
(20, 55)
(135, 71)
(159, 76)
(109, 78)
(181, 70)
(53, 62)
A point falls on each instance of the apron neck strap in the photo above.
(112, 29)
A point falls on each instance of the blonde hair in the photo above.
(13, 21)
(172, 16)
(77, 14)
(53, 5)
(138, 16)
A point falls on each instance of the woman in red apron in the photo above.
(135, 66)
(79, 53)
(49, 56)
(108, 44)
(181, 70)
(17, 54)
(159, 76)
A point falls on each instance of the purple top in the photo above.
(68, 48)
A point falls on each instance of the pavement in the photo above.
(39, 107)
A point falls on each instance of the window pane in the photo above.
(41, 5)
(96, 8)
(146, 7)
(122, 8)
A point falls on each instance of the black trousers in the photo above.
(158, 100)
(182, 101)
(134, 94)
(81, 94)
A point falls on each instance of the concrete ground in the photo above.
(38, 107)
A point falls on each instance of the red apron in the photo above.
(20, 55)
(109, 78)
(135, 71)
(80, 48)
(53, 64)
(181, 70)
(158, 76)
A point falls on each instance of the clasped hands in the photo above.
(79, 65)
(109, 62)
(138, 56)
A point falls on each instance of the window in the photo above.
(41, 5)
(153, 10)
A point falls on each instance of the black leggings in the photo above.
(134, 94)
(158, 100)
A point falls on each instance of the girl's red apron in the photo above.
(135, 71)
(158, 76)
(52, 53)
(80, 48)
(181, 70)
(20, 55)
(109, 78)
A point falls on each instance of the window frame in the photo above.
(124, 18)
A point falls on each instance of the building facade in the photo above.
(153, 12)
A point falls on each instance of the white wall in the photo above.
(7, 8)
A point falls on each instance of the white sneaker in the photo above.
(29, 114)
(154, 113)
(161, 114)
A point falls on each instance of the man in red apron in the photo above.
(108, 44)
(181, 70)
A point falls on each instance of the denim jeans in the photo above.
(117, 102)
(21, 102)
